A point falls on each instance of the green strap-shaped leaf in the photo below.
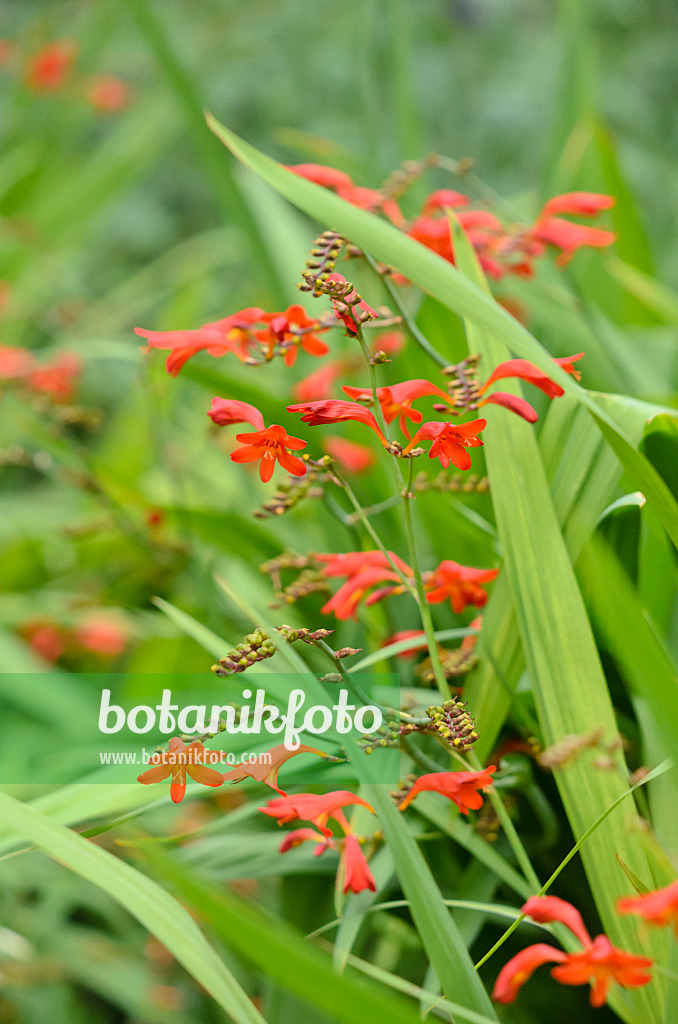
(144, 899)
(438, 277)
(570, 689)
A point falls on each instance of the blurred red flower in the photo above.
(49, 68)
(459, 583)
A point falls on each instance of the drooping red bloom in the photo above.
(357, 875)
(265, 769)
(314, 807)
(307, 835)
(459, 583)
(57, 380)
(291, 329)
(49, 68)
(178, 762)
(266, 443)
(232, 334)
(599, 962)
(343, 185)
(527, 371)
(353, 458)
(512, 402)
(108, 94)
(351, 562)
(328, 177)
(396, 399)
(578, 204)
(570, 237)
(658, 908)
(336, 411)
(450, 441)
(460, 787)
(363, 570)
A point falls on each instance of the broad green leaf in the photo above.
(155, 909)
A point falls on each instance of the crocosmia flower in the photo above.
(363, 570)
(57, 380)
(658, 908)
(598, 962)
(396, 400)
(232, 334)
(265, 769)
(570, 237)
(461, 584)
(450, 441)
(108, 94)
(270, 444)
(178, 762)
(353, 458)
(335, 411)
(527, 371)
(460, 787)
(357, 875)
(15, 363)
(578, 204)
(290, 330)
(48, 69)
(314, 807)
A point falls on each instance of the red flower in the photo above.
(342, 184)
(357, 875)
(266, 443)
(336, 411)
(268, 764)
(512, 402)
(527, 371)
(48, 69)
(108, 94)
(658, 908)
(396, 399)
(102, 634)
(45, 637)
(363, 569)
(178, 762)
(58, 380)
(328, 177)
(390, 342)
(569, 237)
(314, 807)
(460, 787)
(232, 334)
(292, 329)
(307, 835)
(459, 583)
(442, 199)
(598, 962)
(580, 204)
(15, 363)
(353, 458)
(407, 634)
(450, 441)
(352, 562)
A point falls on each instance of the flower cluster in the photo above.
(52, 68)
(57, 380)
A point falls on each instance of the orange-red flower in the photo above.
(108, 94)
(318, 384)
(460, 787)
(314, 807)
(599, 962)
(407, 634)
(57, 380)
(266, 443)
(579, 204)
(336, 411)
(459, 583)
(343, 185)
(291, 329)
(357, 875)
(102, 633)
(443, 199)
(527, 371)
(307, 835)
(232, 334)
(396, 399)
(15, 363)
(48, 69)
(363, 569)
(265, 769)
(353, 458)
(450, 441)
(570, 237)
(658, 908)
(178, 762)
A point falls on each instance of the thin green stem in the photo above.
(424, 608)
